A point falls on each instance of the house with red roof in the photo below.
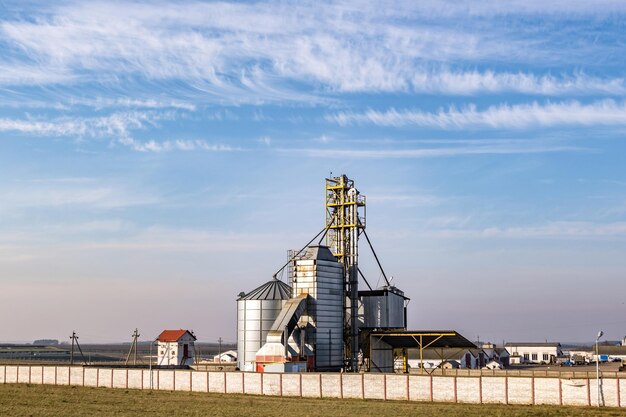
(176, 347)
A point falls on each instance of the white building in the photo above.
(530, 352)
(493, 364)
(495, 353)
(176, 347)
(228, 356)
(446, 358)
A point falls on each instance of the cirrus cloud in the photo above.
(503, 116)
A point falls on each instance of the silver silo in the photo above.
(256, 312)
(319, 275)
(384, 308)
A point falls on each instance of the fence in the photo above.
(563, 373)
(461, 389)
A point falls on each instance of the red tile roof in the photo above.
(173, 335)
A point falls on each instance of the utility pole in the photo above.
(598, 367)
(75, 340)
(135, 342)
(133, 348)
(219, 354)
(73, 337)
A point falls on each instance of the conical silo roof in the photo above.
(271, 290)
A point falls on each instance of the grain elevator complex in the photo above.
(320, 320)
(317, 321)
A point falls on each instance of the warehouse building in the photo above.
(532, 352)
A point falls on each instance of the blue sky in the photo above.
(156, 159)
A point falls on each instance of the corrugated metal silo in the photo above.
(319, 275)
(256, 312)
(384, 308)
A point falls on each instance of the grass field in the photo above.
(45, 400)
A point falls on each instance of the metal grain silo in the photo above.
(384, 308)
(256, 312)
(318, 275)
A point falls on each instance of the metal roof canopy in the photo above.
(422, 339)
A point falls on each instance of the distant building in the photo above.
(46, 342)
(176, 347)
(450, 364)
(447, 358)
(30, 352)
(228, 356)
(494, 353)
(581, 356)
(493, 364)
(609, 353)
(531, 352)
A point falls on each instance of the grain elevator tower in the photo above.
(345, 220)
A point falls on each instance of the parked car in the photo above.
(567, 363)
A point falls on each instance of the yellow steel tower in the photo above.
(345, 219)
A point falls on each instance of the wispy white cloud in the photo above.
(443, 8)
(323, 139)
(114, 125)
(408, 153)
(259, 116)
(178, 145)
(553, 230)
(255, 52)
(265, 140)
(22, 74)
(63, 180)
(504, 116)
(222, 114)
(477, 82)
(89, 194)
(148, 239)
(57, 231)
(118, 127)
(129, 102)
(405, 200)
(183, 240)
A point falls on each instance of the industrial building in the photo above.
(34, 351)
(320, 319)
(531, 352)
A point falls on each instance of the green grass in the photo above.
(46, 400)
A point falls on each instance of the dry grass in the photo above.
(45, 400)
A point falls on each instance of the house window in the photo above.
(546, 357)
(525, 356)
(534, 356)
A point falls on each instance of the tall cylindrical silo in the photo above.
(256, 312)
(318, 274)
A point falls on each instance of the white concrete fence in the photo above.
(461, 389)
